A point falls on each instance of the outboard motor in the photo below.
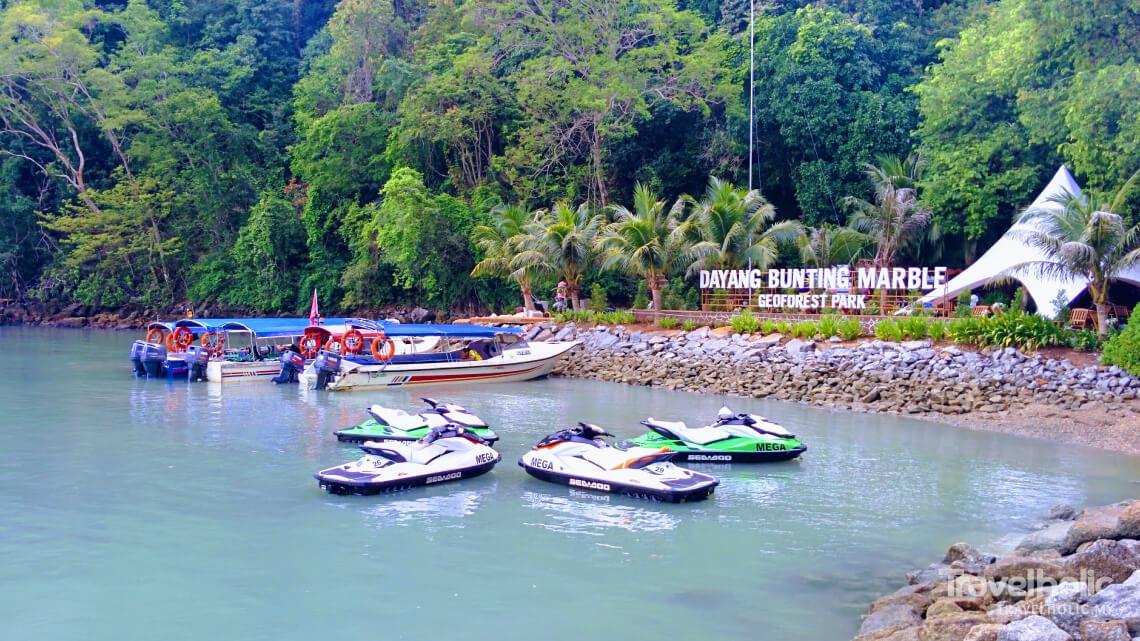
(326, 365)
(153, 357)
(292, 364)
(196, 359)
(137, 350)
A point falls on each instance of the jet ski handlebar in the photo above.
(452, 430)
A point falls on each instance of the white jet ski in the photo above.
(391, 424)
(581, 458)
(447, 453)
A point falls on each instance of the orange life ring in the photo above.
(179, 339)
(311, 343)
(156, 335)
(353, 341)
(214, 342)
(334, 345)
(383, 349)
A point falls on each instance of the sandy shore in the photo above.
(1093, 426)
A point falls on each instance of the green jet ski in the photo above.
(733, 438)
(388, 424)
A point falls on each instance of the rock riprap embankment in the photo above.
(914, 377)
(1076, 579)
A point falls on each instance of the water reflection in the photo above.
(594, 514)
(445, 510)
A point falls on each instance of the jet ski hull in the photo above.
(695, 492)
(372, 430)
(368, 485)
(734, 450)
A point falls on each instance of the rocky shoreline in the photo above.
(1077, 578)
(998, 389)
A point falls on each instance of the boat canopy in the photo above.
(259, 327)
(450, 331)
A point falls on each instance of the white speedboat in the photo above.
(463, 354)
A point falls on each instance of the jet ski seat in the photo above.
(397, 418)
(697, 435)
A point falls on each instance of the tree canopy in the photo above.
(245, 152)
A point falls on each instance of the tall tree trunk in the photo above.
(655, 290)
(528, 298)
(1102, 319)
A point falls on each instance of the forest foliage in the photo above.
(246, 152)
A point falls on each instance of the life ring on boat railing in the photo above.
(311, 343)
(156, 335)
(383, 349)
(334, 345)
(353, 341)
(214, 342)
(179, 339)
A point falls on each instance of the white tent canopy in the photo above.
(1010, 251)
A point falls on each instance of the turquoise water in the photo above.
(131, 509)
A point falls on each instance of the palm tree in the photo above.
(562, 241)
(828, 246)
(730, 228)
(1082, 240)
(644, 241)
(895, 219)
(503, 243)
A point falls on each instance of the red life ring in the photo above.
(156, 335)
(311, 343)
(179, 339)
(383, 349)
(353, 341)
(214, 342)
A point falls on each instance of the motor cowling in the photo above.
(153, 357)
(137, 350)
(292, 364)
(326, 365)
(196, 360)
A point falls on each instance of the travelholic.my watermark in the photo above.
(1020, 586)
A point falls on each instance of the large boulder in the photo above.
(1117, 602)
(890, 618)
(1093, 524)
(1105, 561)
(917, 596)
(951, 627)
(1028, 571)
(1051, 537)
(1033, 628)
(1128, 527)
(1104, 631)
(984, 632)
(962, 552)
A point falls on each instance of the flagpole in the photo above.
(751, 117)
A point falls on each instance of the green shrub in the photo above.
(962, 310)
(850, 328)
(828, 325)
(783, 327)
(805, 329)
(966, 331)
(1123, 348)
(1061, 302)
(913, 327)
(936, 330)
(689, 325)
(641, 298)
(597, 298)
(616, 318)
(888, 330)
(576, 316)
(1083, 340)
(668, 322)
(1021, 330)
(744, 322)
(1017, 303)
